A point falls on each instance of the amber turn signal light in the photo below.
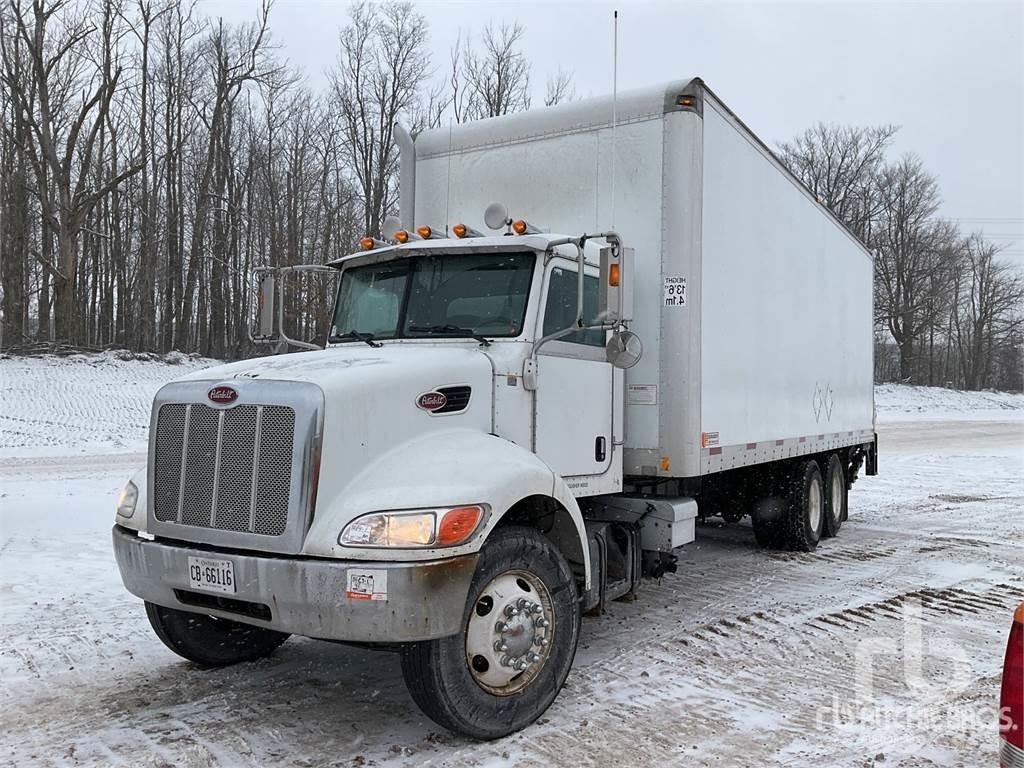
(366, 243)
(458, 524)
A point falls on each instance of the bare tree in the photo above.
(381, 67)
(497, 75)
(840, 166)
(63, 144)
(988, 310)
(559, 89)
(233, 61)
(911, 245)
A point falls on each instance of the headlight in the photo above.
(444, 527)
(127, 500)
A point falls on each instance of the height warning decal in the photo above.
(675, 291)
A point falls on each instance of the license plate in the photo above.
(211, 575)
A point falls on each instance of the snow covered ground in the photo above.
(899, 402)
(82, 404)
(883, 647)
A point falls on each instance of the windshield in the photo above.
(444, 295)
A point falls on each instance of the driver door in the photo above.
(573, 399)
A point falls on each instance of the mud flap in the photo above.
(871, 465)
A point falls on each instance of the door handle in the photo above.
(599, 448)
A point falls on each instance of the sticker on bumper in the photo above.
(367, 585)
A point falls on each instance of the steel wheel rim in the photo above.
(814, 504)
(837, 496)
(510, 632)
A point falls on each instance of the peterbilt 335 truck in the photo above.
(521, 408)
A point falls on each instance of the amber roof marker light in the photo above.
(460, 230)
(428, 233)
(523, 227)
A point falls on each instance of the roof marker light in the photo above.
(523, 227)
(428, 233)
(461, 230)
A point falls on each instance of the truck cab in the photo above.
(414, 484)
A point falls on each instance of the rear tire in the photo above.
(836, 496)
(210, 641)
(805, 514)
(464, 682)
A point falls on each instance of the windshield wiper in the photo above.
(450, 330)
(364, 337)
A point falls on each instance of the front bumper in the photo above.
(304, 596)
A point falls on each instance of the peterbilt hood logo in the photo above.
(431, 401)
(222, 395)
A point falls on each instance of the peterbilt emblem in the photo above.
(431, 401)
(222, 395)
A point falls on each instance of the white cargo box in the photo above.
(754, 303)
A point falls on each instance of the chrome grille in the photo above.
(228, 469)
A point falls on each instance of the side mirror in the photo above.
(616, 296)
(266, 298)
(624, 349)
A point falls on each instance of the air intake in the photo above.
(458, 399)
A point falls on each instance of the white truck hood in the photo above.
(340, 370)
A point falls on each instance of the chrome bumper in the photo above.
(304, 596)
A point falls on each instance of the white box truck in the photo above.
(506, 431)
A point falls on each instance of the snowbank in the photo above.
(901, 402)
(97, 403)
(100, 404)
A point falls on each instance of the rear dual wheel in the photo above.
(813, 507)
(836, 495)
(520, 629)
(804, 522)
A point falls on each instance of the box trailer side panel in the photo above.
(786, 310)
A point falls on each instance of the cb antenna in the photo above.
(615, 98)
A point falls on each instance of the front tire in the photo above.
(805, 514)
(210, 641)
(521, 626)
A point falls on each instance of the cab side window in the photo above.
(560, 308)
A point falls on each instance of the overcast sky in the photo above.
(951, 74)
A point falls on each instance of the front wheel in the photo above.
(519, 633)
(210, 641)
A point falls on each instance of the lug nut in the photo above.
(522, 603)
(510, 611)
(542, 641)
(501, 646)
(537, 608)
(500, 627)
(542, 622)
(521, 665)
